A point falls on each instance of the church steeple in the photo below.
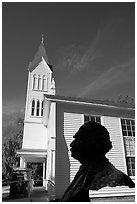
(35, 135)
(38, 57)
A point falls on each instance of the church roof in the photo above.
(99, 107)
(38, 58)
(59, 98)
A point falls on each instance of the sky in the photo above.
(91, 47)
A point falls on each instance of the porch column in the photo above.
(44, 173)
(22, 163)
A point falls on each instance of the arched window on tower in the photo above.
(42, 106)
(45, 84)
(38, 107)
(34, 82)
(33, 108)
(39, 82)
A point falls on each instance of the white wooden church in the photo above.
(51, 121)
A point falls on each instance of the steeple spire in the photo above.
(41, 53)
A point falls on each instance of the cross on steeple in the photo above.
(42, 39)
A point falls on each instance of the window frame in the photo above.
(33, 107)
(92, 116)
(45, 83)
(34, 83)
(37, 108)
(129, 142)
(42, 108)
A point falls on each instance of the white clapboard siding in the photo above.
(72, 122)
(116, 155)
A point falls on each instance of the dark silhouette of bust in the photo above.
(90, 145)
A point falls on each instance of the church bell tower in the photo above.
(40, 82)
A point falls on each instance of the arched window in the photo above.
(45, 87)
(33, 107)
(42, 105)
(39, 83)
(34, 82)
(37, 110)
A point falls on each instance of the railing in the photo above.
(29, 188)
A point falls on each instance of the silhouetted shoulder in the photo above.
(111, 177)
(122, 179)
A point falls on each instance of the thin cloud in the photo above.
(113, 77)
(104, 46)
(78, 57)
(91, 54)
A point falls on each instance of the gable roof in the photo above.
(38, 58)
(86, 106)
(75, 100)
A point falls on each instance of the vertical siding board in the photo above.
(72, 122)
(116, 154)
(62, 173)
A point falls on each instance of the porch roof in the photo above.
(33, 155)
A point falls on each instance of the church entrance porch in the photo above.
(35, 160)
(36, 171)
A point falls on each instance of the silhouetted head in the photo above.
(90, 142)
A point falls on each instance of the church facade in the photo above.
(52, 120)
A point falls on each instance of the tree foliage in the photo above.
(11, 141)
(123, 100)
(126, 100)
